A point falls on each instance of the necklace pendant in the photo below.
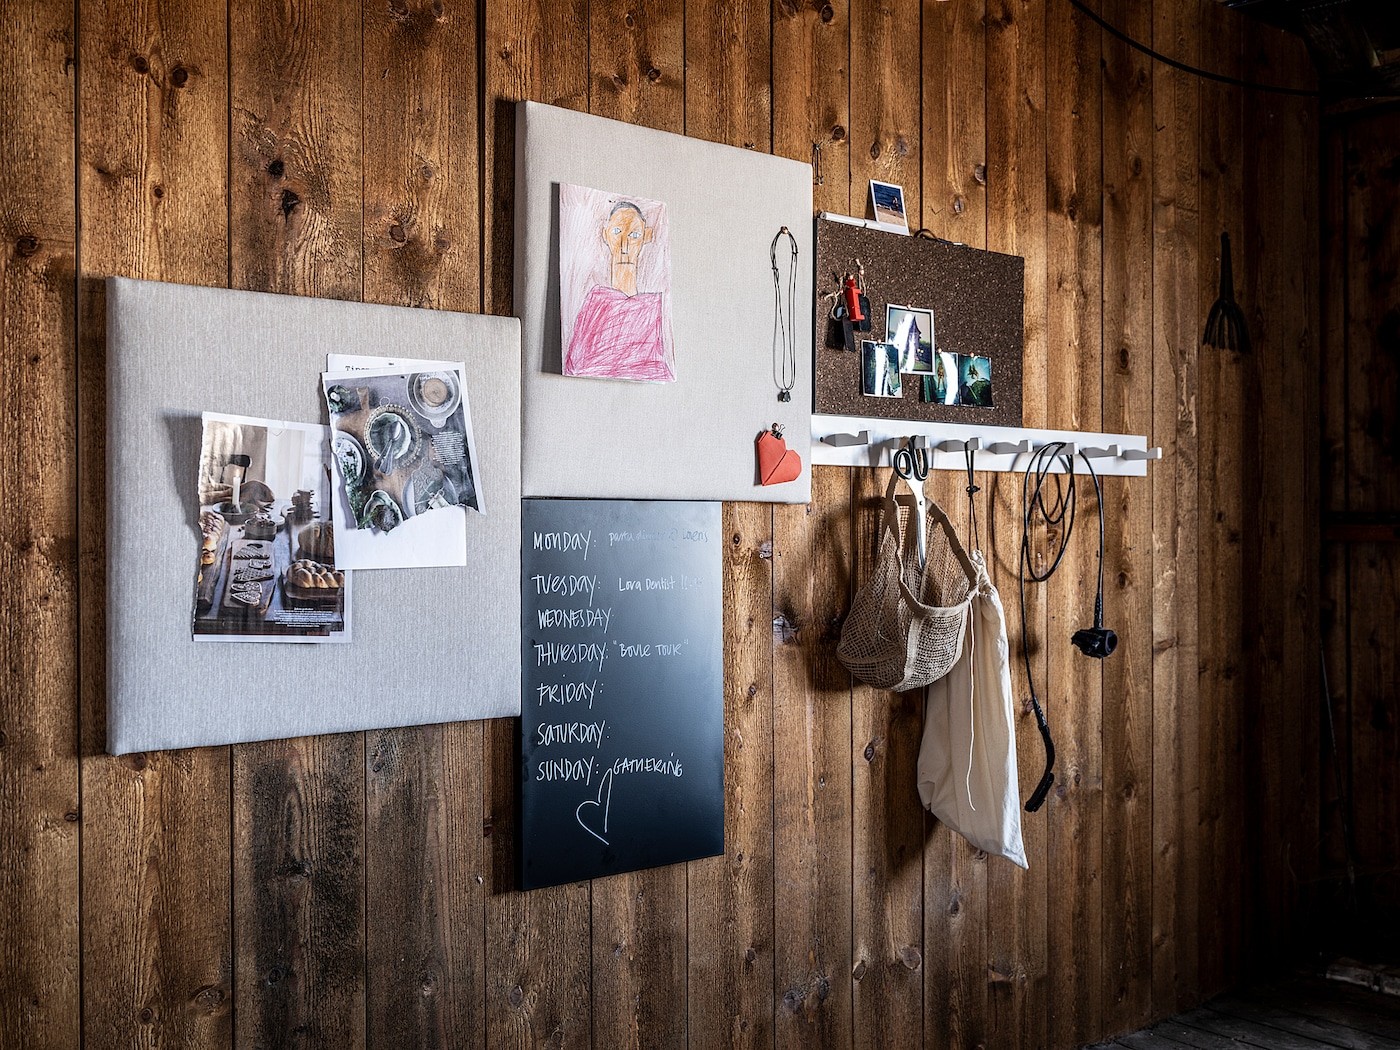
(784, 395)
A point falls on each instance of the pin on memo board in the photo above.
(622, 714)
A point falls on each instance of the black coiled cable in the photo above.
(1060, 510)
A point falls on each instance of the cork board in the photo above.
(978, 302)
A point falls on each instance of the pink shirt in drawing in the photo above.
(619, 336)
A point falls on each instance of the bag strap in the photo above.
(889, 520)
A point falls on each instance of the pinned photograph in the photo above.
(266, 566)
(974, 381)
(880, 370)
(889, 204)
(615, 286)
(941, 387)
(911, 329)
(405, 457)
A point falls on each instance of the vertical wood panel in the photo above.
(729, 904)
(157, 945)
(1016, 198)
(887, 825)
(1129, 691)
(1283, 325)
(887, 820)
(637, 74)
(296, 181)
(1176, 321)
(151, 182)
(1079, 931)
(39, 791)
(956, 876)
(811, 92)
(424, 873)
(954, 140)
(539, 965)
(1223, 399)
(811, 767)
(1372, 442)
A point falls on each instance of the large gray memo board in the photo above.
(692, 439)
(429, 645)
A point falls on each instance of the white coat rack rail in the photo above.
(860, 441)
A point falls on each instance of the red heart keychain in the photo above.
(776, 462)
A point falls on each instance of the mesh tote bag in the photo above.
(906, 624)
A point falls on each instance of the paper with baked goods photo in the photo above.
(405, 460)
(266, 567)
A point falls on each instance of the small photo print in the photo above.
(889, 203)
(266, 566)
(974, 381)
(941, 388)
(911, 329)
(880, 370)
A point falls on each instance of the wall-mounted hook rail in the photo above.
(868, 442)
(847, 440)
(1010, 448)
(955, 445)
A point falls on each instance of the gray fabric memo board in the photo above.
(429, 645)
(693, 438)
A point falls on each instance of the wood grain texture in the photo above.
(425, 793)
(729, 914)
(954, 141)
(152, 185)
(1225, 392)
(887, 831)
(359, 889)
(296, 189)
(1131, 698)
(730, 918)
(1019, 987)
(1281, 751)
(39, 584)
(534, 50)
(1080, 928)
(812, 820)
(421, 165)
(887, 821)
(1177, 317)
(812, 94)
(956, 876)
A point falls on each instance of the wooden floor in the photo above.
(1310, 1014)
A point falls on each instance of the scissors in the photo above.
(911, 464)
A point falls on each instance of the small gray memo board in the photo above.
(622, 720)
(429, 645)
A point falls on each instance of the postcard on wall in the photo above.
(406, 461)
(615, 286)
(888, 201)
(911, 329)
(941, 387)
(266, 567)
(974, 381)
(880, 376)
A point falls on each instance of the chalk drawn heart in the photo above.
(603, 804)
(776, 462)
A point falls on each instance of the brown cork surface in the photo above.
(977, 298)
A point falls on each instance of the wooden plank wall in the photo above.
(355, 890)
(1360, 385)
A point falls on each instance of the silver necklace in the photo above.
(784, 330)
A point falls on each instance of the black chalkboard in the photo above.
(622, 712)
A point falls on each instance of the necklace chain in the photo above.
(784, 328)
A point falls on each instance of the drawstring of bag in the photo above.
(972, 490)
